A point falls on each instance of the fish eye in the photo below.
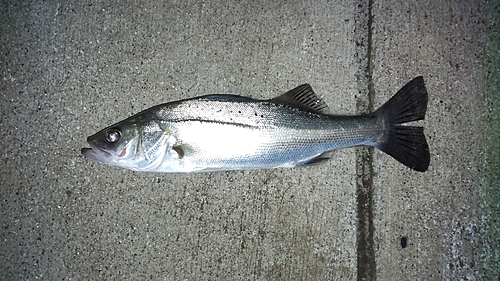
(113, 135)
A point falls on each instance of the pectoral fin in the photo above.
(179, 150)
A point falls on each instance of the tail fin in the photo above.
(406, 144)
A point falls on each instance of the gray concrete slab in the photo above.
(71, 68)
(437, 212)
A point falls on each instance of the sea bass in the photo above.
(229, 132)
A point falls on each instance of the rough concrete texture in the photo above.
(70, 68)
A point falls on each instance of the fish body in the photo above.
(228, 132)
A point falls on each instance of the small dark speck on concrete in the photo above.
(403, 242)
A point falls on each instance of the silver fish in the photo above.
(228, 132)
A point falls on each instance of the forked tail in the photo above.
(406, 144)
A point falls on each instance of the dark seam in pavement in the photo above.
(366, 265)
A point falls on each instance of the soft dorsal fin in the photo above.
(303, 97)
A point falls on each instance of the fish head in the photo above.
(135, 143)
(114, 145)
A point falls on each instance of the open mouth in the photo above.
(95, 154)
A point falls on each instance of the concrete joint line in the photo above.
(366, 265)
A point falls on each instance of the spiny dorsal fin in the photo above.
(303, 97)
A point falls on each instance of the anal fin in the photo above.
(320, 159)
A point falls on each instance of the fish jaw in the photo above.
(95, 154)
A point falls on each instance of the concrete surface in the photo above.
(70, 68)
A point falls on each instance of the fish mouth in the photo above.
(95, 154)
